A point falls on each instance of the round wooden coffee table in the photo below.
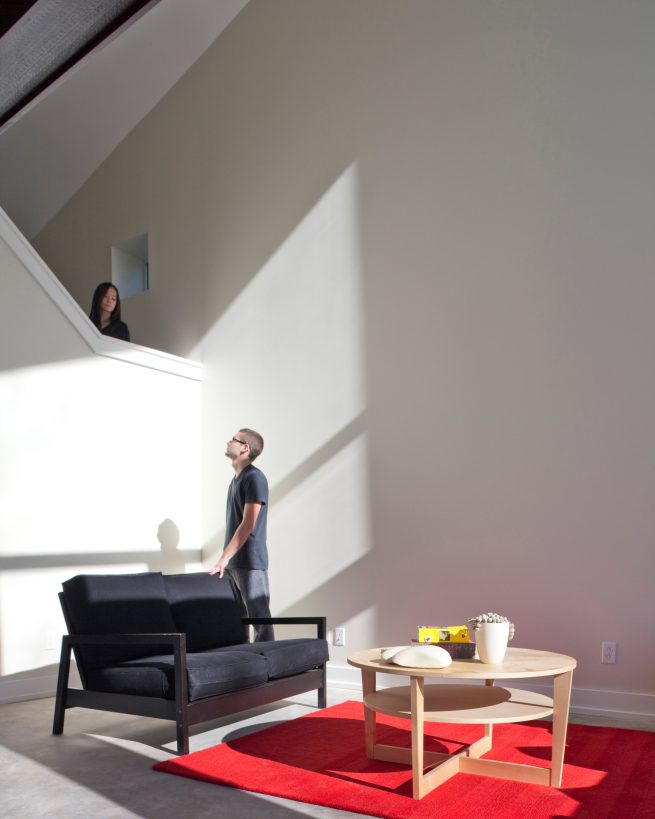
(460, 703)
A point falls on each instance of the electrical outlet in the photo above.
(340, 636)
(608, 654)
(51, 640)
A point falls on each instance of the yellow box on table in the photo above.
(443, 634)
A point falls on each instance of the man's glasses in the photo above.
(237, 441)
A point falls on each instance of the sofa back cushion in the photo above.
(205, 608)
(117, 604)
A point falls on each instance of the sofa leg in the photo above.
(322, 691)
(182, 736)
(181, 716)
(182, 740)
(62, 687)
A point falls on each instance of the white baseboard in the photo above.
(27, 686)
(613, 705)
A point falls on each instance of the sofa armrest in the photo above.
(319, 622)
(174, 639)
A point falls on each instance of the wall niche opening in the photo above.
(129, 266)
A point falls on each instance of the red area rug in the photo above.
(320, 758)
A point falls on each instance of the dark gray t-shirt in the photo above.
(250, 486)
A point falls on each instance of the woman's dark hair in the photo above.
(98, 296)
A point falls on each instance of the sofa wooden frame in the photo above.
(180, 710)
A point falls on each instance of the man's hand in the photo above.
(250, 515)
(220, 567)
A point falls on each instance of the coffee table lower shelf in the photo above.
(461, 704)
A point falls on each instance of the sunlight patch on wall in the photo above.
(289, 350)
(287, 356)
(321, 527)
(100, 473)
(96, 455)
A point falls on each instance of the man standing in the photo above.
(245, 555)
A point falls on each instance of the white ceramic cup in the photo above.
(491, 641)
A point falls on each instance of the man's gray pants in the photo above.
(255, 596)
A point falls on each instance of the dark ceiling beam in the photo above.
(51, 67)
(11, 11)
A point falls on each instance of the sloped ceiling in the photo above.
(76, 76)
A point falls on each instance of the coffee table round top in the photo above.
(518, 662)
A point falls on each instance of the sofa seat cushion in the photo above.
(207, 675)
(287, 657)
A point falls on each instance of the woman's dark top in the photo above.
(116, 329)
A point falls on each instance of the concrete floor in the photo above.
(101, 766)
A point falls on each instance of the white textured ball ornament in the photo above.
(418, 656)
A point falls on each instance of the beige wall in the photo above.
(412, 243)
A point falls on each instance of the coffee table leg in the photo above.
(488, 728)
(561, 702)
(418, 721)
(368, 687)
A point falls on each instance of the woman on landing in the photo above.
(106, 312)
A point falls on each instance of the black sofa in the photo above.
(176, 647)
